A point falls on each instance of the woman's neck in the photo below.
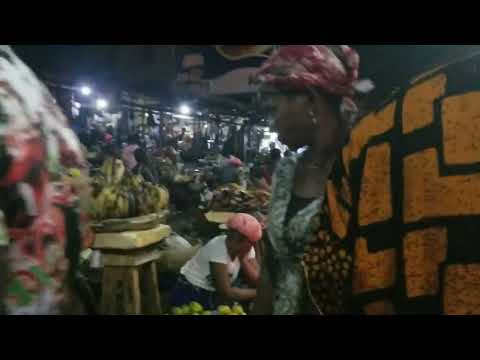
(323, 151)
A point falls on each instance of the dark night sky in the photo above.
(142, 68)
(152, 68)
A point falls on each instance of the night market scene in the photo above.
(239, 180)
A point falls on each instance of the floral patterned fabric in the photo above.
(36, 145)
(288, 240)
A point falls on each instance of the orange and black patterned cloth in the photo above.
(400, 226)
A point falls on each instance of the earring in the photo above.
(314, 119)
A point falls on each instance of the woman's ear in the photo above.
(315, 103)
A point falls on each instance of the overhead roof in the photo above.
(152, 69)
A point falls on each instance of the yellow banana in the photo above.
(162, 195)
(99, 205)
(118, 171)
(125, 207)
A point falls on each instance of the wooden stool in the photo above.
(130, 271)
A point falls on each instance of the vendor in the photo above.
(144, 168)
(209, 276)
(128, 153)
(229, 171)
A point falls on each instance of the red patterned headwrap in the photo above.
(300, 67)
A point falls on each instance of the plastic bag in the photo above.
(177, 252)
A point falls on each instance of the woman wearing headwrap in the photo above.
(404, 203)
(208, 277)
(308, 91)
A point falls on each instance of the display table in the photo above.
(218, 217)
(129, 260)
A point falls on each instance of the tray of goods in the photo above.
(121, 199)
(195, 308)
(233, 198)
(218, 217)
(129, 240)
(139, 223)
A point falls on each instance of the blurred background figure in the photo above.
(229, 171)
(128, 152)
(41, 227)
(144, 167)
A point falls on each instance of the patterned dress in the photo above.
(287, 241)
(404, 204)
(40, 231)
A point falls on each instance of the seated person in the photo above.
(143, 167)
(128, 152)
(208, 277)
(229, 171)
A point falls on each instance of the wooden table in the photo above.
(130, 271)
(218, 217)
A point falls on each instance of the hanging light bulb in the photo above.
(102, 104)
(184, 109)
(86, 90)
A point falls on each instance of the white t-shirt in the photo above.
(197, 270)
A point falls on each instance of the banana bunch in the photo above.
(111, 203)
(157, 197)
(113, 170)
(119, 194)
(132, 182)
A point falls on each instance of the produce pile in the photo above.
(195, 308)
(233, 198)
(118, 194)
(165, 169)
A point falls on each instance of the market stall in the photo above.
(188, 144)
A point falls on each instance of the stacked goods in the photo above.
(182, 179)
(166, 170)
(233, 198)
(195, 308)
(118, 194)
(140, 223)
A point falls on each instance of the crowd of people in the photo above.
(371, 214)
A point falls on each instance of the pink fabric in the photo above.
(246, 225)
(235, 161)
(299, 67)
(128, 156)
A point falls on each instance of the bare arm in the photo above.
(263, 184)
(251, 270)
(224, 288)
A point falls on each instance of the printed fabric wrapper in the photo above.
(36, 147)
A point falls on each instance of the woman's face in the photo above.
(240, 245)
(292, 116)
(289, 116)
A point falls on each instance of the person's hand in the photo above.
(262, 219)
